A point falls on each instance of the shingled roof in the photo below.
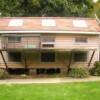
(48, 24)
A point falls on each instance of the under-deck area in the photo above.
(44, 62)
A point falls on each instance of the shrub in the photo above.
(3, 74)
(96, 69)
(78, 72)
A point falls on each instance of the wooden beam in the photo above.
(91, 58)
(70, 60)
(4, 60)
(25, 60)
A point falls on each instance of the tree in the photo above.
(80, 8)
(10, 8)
(63, 7)
(97, 8)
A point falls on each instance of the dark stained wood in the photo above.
(4, 60)
(25, 59)
(91, 58)
(70, 60)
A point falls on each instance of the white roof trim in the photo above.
(66, 32)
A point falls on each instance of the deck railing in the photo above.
(27, 44)
(23, 44)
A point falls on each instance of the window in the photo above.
(81, 40)
(80, 56)
(14, 39)
(14, 56)
(47, 57)
(47, 41)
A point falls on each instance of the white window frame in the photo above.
(14, 41)
(45, 40)
(79, 39)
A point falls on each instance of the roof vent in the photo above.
(80, 23)
(48, 22)
(15, 22)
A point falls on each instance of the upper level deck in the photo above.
(50, 42)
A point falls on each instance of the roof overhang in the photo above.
(54, 32)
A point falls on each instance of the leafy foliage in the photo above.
(78, 72)
(3, 74)
(46, 7)
(97, 8)
(96, 69)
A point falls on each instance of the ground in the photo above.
(54, 91)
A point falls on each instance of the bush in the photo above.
(3, 74)
(96, 69)
(78, 72)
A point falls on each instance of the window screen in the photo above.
(81, 40)
(14, 56)
(47, 57)
(48, 39)
(14, 39)
(80, 56)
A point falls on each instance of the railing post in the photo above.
(91, 58)
(70, 60)
(4, 60)
(25, 59)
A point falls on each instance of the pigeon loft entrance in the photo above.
(49, 71)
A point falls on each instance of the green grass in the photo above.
(68, 91)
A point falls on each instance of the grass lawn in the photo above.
(68, 91)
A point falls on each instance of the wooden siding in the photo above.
(68, 42)
(65, 42)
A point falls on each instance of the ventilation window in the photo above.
(16, 22)
(48, 71)
(48, 45)
(48, 22)
(80, 23)
(18, 71)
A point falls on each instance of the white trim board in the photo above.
(57, 32)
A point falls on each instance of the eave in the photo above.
(51, 32)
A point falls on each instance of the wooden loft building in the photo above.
(48, 45)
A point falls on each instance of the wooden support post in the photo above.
(4, 60)
(91, 58)
(70, 60)
(25, 60)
